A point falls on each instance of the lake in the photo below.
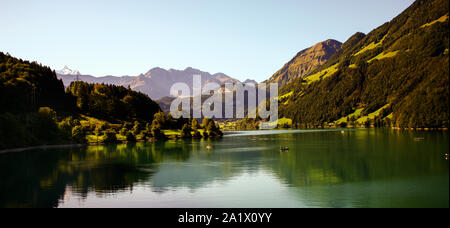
(323, 168)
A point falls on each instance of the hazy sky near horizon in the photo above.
(242, 38)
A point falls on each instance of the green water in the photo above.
(361, 168)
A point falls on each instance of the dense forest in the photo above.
(24, 88)
(112, 103)
(36, 109)
(397, 75)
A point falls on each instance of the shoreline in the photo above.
(43, 147)
(346, 128)
(68, 146)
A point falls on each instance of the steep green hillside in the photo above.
(403, 65)
(112, 103)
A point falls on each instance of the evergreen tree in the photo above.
(186, 131)
(131, 137)
(195, 125)
(109, 137)
(79, 134)
(156, 130)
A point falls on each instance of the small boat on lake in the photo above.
(284, 149)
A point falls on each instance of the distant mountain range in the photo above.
(156, 82)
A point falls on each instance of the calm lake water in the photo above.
(357, 168)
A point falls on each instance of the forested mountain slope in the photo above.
(397, 75)
(25, 86)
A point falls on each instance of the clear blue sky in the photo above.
(242, 38)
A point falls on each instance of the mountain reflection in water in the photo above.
(360, 168)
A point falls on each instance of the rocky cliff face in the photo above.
(306, 61)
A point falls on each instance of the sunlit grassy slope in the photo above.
(281, 122)
(441, 20)
(322, 74)
(286, 95)
(371, 116)
(384, 55)
(362, 119)
(356, 114)
(371, 46)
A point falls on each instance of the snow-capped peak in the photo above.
(67, 71)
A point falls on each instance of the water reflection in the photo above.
(39, 178)
(326, 158)
(367, 168)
